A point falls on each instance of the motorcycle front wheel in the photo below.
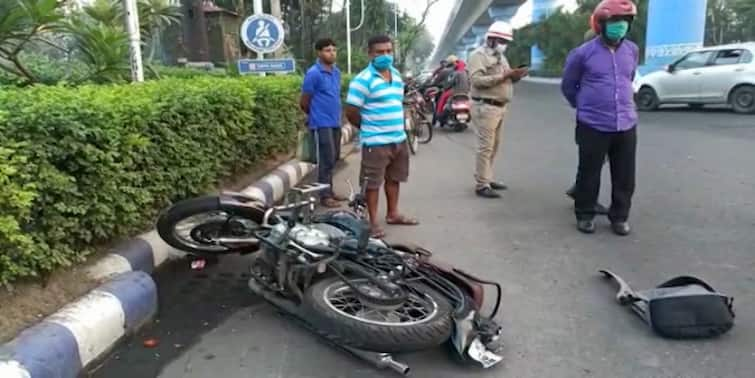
(422, 321)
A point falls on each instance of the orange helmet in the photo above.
(611, 8)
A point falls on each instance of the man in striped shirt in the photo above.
(375, 105)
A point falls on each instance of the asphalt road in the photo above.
(694, 213)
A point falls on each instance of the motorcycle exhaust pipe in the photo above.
(380, 360)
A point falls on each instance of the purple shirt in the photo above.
(598, 83)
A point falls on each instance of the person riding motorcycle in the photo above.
(457, 83)
(440, 80)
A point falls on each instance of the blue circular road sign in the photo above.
(262, 33)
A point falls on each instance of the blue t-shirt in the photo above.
(324, 87)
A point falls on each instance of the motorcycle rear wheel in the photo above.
(422, 322)
(193, 224)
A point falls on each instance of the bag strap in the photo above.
(686, 280)
(689, 280)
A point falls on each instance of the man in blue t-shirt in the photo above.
(375, 106)
(321, 100)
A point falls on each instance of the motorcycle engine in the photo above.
(315, 235)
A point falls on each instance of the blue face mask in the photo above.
(382, 62)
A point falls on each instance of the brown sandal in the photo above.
(376, 232)
(402, 220)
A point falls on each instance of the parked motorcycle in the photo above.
(457, 112)
(366, 296)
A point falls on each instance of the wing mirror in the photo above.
(670, 68)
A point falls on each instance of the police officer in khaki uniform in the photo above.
(492, 88)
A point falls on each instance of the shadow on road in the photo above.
(191, 304)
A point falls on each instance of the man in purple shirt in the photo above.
(597, 81)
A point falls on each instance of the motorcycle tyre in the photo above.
(373, 337)
(460, 127)
(194, 206)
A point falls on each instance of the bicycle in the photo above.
(417, 126)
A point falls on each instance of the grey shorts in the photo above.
(388, 162)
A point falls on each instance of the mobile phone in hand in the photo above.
(522, 66)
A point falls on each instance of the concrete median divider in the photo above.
(66, 342)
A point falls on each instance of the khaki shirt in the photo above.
(486, 68)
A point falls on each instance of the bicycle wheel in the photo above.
(411, 134)
(423, 130)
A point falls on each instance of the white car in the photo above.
(710, 75)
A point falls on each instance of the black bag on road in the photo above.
(681, 308)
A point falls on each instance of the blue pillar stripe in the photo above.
(284, 178)
(46, 350)
(266, 188)
(139, 254)
(137, 293)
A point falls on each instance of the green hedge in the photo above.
(165, 72)
(84, 166)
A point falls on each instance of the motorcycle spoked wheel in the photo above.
(423, 321)
(193, 225)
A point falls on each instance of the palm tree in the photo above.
(23, 22)
(154, 17)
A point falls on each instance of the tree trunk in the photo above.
(306, 28)
(275, 10)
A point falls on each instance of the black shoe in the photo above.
(498, 186)
(487, 192)
(586, 226)
(621, 228)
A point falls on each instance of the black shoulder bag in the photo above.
(681, 308)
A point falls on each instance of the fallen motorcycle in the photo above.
(363, 295)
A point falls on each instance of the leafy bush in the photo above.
(183, 72)
(47, 70)
(84, 166)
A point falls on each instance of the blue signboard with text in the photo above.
(667, 41)
(256, 66)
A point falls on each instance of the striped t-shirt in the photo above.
(381, 106)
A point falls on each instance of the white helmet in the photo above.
(500, 29)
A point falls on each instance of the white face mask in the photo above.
(501, 48)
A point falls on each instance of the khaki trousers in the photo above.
(487, 121)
